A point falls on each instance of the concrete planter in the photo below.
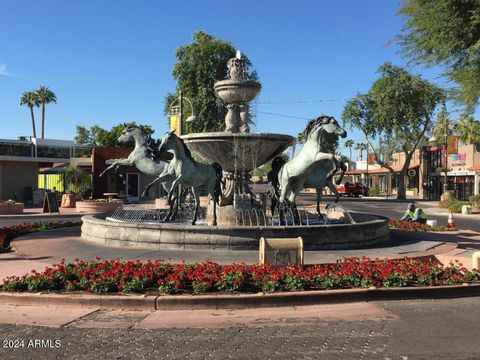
(91, 206)
(11, 209)
(68, 201)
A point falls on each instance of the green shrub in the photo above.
(375, 191)
(475, 200)
(456, 207)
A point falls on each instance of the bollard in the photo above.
(476, 260)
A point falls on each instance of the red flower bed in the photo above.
(136, 276)
(416, 227)
(10, 232)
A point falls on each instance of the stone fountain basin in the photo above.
(237, 151)
(370, 230)
(237, 91)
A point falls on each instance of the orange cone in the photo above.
(451, 221)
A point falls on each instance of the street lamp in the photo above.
(447, 195)
(176, 109)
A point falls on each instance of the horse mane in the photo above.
(312, 124)
(186, 149)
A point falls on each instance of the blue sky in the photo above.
(111, 61)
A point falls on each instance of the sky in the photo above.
(111, 61)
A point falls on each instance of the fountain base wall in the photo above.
(369, 230)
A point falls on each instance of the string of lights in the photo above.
(281, 115)
(298, 102)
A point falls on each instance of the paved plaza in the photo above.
(421, 329)
(413, 329)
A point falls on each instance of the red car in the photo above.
(352, 189)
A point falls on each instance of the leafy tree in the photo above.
(30, 99)
(399, 105)
(86, 136)
(199, 65)
(106, 138)
(447, 33)
(349, 144)
(45, 96)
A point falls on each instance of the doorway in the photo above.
(133, 185)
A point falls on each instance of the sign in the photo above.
(50, 203)
(412, 172)
(281, 251)
(452, 142)
(458, 159)
(173, 122)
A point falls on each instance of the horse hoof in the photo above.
(193, 222)
(214, 223)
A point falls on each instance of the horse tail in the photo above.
(272, 175)
(218, 181)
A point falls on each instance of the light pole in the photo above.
(176, 109)
(447, 194)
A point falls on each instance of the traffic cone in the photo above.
(451, 221)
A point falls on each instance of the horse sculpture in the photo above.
(184, 170)
(312, 166)
(143, 156)
(324, 176)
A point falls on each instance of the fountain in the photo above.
(237, 150)
(242, 217)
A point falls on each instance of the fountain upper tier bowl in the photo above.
(237, 91)
(237, 151)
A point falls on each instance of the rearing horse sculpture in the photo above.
(312, 164)
(184, 170)
(324, 176)
(141, 156)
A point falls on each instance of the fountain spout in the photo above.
(236, 92)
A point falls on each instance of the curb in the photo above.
(223, 301)
(35, 217)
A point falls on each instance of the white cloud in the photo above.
(3, 70)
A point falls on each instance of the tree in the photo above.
(442, 122)
(446, 33)
(86, 136)
(468, 130)
(45, 96)
(30, 99)
(106, 138)
(360, 147)
(349, 144)
(77, 180)
(199, 65)
(399, 105)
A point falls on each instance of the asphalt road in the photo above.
(419, 329)
(395, 210)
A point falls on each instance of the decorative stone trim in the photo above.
(98, 207)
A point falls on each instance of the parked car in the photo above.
(353, 189)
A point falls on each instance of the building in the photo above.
(425, 177)
(22, 160)
(28, 164)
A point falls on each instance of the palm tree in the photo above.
(45, 96)
(469, 130)
(360, 147)
(349, 144)
(30, 99)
